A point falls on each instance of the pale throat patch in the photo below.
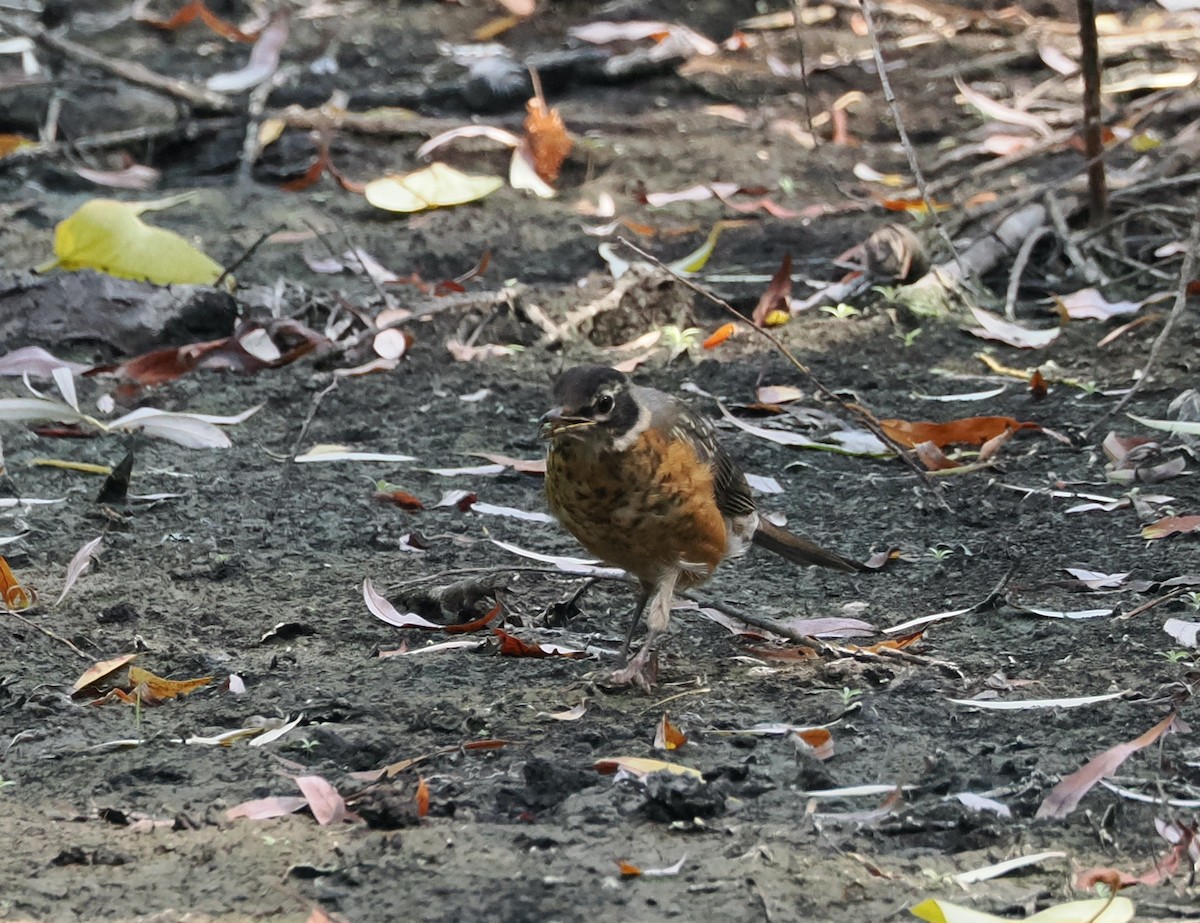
(642, 424)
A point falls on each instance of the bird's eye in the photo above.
(604, 404)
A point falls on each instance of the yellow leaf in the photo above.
(108, 236)
(641, 766)
(165, 688)
(435, 186)
(695, 260)
(1099, 910)
(776, 318)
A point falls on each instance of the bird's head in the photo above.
(594, 403)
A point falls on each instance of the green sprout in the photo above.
(841, 311)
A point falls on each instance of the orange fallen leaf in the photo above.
(967, 431)
(720, 335)
(1170, 525)
(628, 870)
(546, 135)
(892, 644)
(197, 10)
(477, 625)
(817, 742)
(15, 595)
(162, 688)
(512, 646)
(400, 498)
(10, 143)
(667, 736)
(422, 797)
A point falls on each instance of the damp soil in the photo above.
(256, 567)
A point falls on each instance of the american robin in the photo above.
(644, 485)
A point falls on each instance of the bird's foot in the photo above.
(641, 671)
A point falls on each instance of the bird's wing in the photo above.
(670, 415)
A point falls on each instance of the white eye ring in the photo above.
(604, 403)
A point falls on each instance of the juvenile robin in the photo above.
(642, 482)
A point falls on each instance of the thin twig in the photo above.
(868, 419)
(246, 254)
(905, 141)
(129, 71)
(46, 631)
(290, 462)
(1018, 269)
(1187, 272)
(1093, 124)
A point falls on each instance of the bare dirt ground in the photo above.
(529, 830)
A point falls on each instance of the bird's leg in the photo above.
(642, 670)
(634, 618)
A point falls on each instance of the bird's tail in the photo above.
(799, 550)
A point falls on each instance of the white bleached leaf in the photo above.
(16, 409)
(969, 396)
(989, 872)
(981, 803)
(183, 429)
(79, 563)
(1067, 614)
(490, 509)
(267, 737)
(1178, 427)
(562, 562)
(764, 484)
(1027, 704)
(523, 175)
(8, 503)
(475, 471)
(383, 610)
(331, 453)
(499, 135)
(1186, 633)
(64, 380)
(35, 361)
(217, 420)
(855, 791)
(994, 327)
(462, 645)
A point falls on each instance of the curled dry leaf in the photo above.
(994, 327)
(777, 296)
(1186, 633)
(79, 563)
(98, 671)
(667, 736)
(383, 610)
(1065, 797)
(35, 362)
(14, 595)
(263, 61)
(327, 806)
(1171, 525)
(267, 808)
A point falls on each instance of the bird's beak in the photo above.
(558, 421)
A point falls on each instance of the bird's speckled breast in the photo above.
(645, 510)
